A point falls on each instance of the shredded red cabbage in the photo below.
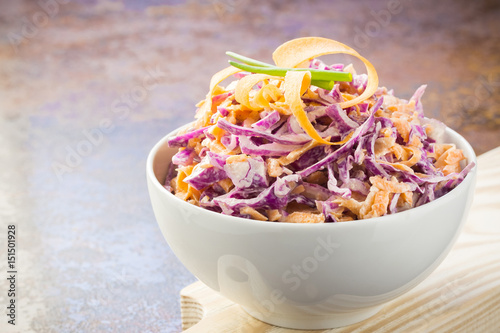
(392, 160)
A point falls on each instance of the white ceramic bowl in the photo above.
(310, 276)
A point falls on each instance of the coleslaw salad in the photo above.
(278, 148)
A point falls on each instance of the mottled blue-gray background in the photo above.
(88, 87)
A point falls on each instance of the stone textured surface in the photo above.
(87, 89)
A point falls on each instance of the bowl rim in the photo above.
(459, 140)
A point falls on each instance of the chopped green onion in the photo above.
(327, 85)
(323, 75)
(276, 71)
(248, 61)
(319, 78)
(317, 74)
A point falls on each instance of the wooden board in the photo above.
(462, 295)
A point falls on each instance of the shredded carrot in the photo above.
(305, 217)
(392, 185)
(274, 215)
(253, 213)
(297, 153)
(274, 168)
(449, 161)
(297, 51)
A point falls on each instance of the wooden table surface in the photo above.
(88, 86)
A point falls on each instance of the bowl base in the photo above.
(314, 322)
